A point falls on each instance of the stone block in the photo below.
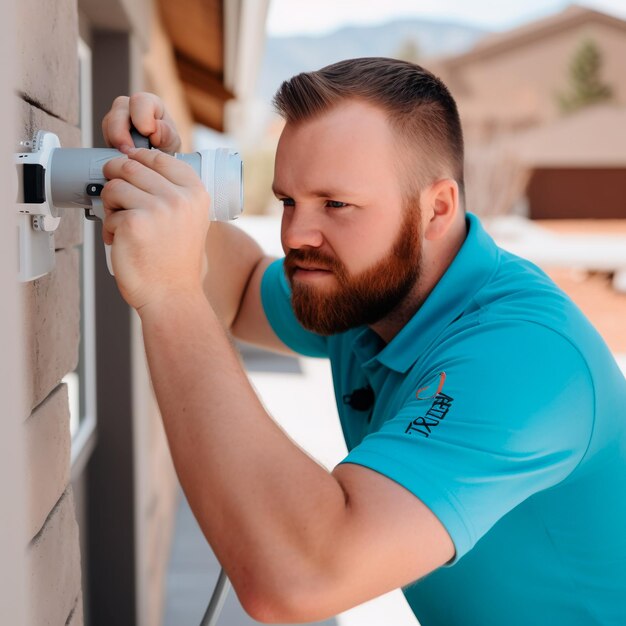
(47, 437)
(51, 311)
(76, 617)
(47, 56)
(53, 566)
(70, 230)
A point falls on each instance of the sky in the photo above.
(314, 17)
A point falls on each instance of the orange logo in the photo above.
(442, 380)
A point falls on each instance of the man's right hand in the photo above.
(146, 112)
(236, 262)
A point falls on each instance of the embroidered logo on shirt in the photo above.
(423, 425)
(420, 396)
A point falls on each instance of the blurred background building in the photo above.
(87, 481)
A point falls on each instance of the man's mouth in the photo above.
(310, 272)
(311, 268)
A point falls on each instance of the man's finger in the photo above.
(150, 118)
(115, 125)
(139, 175)
(119, 194)
(146, 110)
(174, 170)
(110, 224)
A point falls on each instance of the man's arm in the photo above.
(236, 264)
(298, 543)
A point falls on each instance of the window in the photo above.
(82, 381)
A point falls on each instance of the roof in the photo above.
(196, 30)
(592, 137)
(497, 43)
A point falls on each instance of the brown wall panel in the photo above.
(572, 193)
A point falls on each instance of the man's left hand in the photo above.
(156, 217)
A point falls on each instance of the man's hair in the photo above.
(420, 108)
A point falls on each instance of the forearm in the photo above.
(232, 256)
(268, 510)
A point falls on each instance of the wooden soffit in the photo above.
(196, 30)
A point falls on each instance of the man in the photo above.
(485, 417)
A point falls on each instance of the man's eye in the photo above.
(334, 204)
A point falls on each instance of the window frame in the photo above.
(82, 382)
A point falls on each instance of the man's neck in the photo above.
(432, 271)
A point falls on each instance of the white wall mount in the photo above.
(37, 217)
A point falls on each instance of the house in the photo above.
(578, 165)
(511, 80)
(90, 484)
(508, 88)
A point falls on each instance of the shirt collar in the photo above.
(470, 269)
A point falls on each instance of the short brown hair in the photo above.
(421, 110)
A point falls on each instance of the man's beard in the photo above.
(365, 298)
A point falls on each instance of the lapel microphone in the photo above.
(360, 399)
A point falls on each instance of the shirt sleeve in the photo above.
(501, 414)
(276, 300)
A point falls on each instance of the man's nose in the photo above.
(301, 228)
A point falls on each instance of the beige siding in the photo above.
(46, 40)
(51, 319)
(48, 451)
(48, 86)
(13, 535)
(53, 564)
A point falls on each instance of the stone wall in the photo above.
(47, 86)
(13, 537)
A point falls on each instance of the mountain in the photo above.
(286, 56)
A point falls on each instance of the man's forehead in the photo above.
(348, 150)
(343, 118)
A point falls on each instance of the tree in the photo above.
(585, 83)
(408, 50)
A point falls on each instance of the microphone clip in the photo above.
(361, 399)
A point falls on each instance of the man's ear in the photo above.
(440, 208)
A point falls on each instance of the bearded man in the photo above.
(485, 417)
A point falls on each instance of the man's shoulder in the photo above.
(520, 293)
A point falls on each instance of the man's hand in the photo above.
(157, 217)
(147, 114)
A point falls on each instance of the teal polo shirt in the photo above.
(501, 408)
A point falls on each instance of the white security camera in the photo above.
(51, 179)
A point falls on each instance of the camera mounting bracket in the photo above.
(37, 217)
